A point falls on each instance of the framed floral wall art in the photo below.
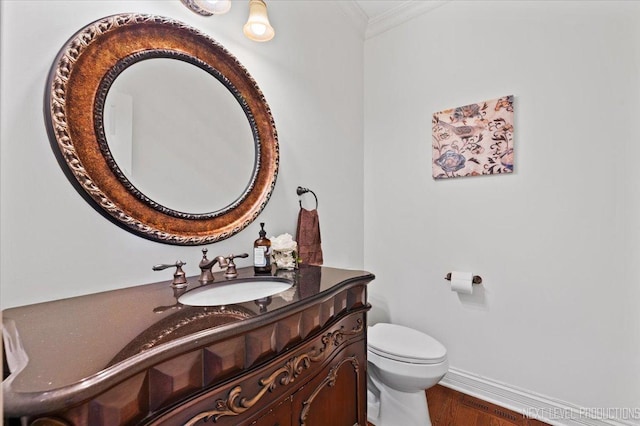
(473, 140)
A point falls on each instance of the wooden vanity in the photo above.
(136, 357)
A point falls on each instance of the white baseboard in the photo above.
(548, 410)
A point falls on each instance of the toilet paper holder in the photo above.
(477, 279)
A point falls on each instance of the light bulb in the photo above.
(258, 27)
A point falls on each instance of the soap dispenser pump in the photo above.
(262, 253)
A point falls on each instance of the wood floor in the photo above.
(448, 407)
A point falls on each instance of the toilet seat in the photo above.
(404, 344)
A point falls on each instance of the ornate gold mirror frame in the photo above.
(77, 86)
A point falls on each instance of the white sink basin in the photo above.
(235, 291)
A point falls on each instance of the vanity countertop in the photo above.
(61, 347)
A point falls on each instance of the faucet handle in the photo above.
(206, 273)
(231, 271)
(179, 277)
(204, 260)
(234, 256)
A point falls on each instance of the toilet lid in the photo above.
(405, 344)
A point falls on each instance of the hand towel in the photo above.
(308, 237)
(310, 280)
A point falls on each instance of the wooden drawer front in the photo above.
(245, 397)
(336, 396)
(277, 415)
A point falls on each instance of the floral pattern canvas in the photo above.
(473, 140)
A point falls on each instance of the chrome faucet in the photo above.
(206, 267)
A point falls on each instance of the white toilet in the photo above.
(402, 363)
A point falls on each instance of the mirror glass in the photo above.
(179, 135)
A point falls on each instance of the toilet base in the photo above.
(390, 407)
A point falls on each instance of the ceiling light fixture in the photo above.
(208, 7)
(257, 27)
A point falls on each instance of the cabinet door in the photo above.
(337, 395)
(278, 415)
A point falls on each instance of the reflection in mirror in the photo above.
(179, 135)
(184, 322)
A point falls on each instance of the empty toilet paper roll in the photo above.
(462, 282)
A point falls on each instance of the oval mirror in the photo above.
(124, 83)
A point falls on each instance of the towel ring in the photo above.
(300, 190)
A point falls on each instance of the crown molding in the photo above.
(403, 12)
(356, 14)
(400, 14)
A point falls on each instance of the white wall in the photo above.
(54, 245)
(557, 242)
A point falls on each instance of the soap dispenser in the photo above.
(262, 253)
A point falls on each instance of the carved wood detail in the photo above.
(48, 421)
(126, 403)
(236, 404)
(174, 379)
(224, 359)
(330, 381)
